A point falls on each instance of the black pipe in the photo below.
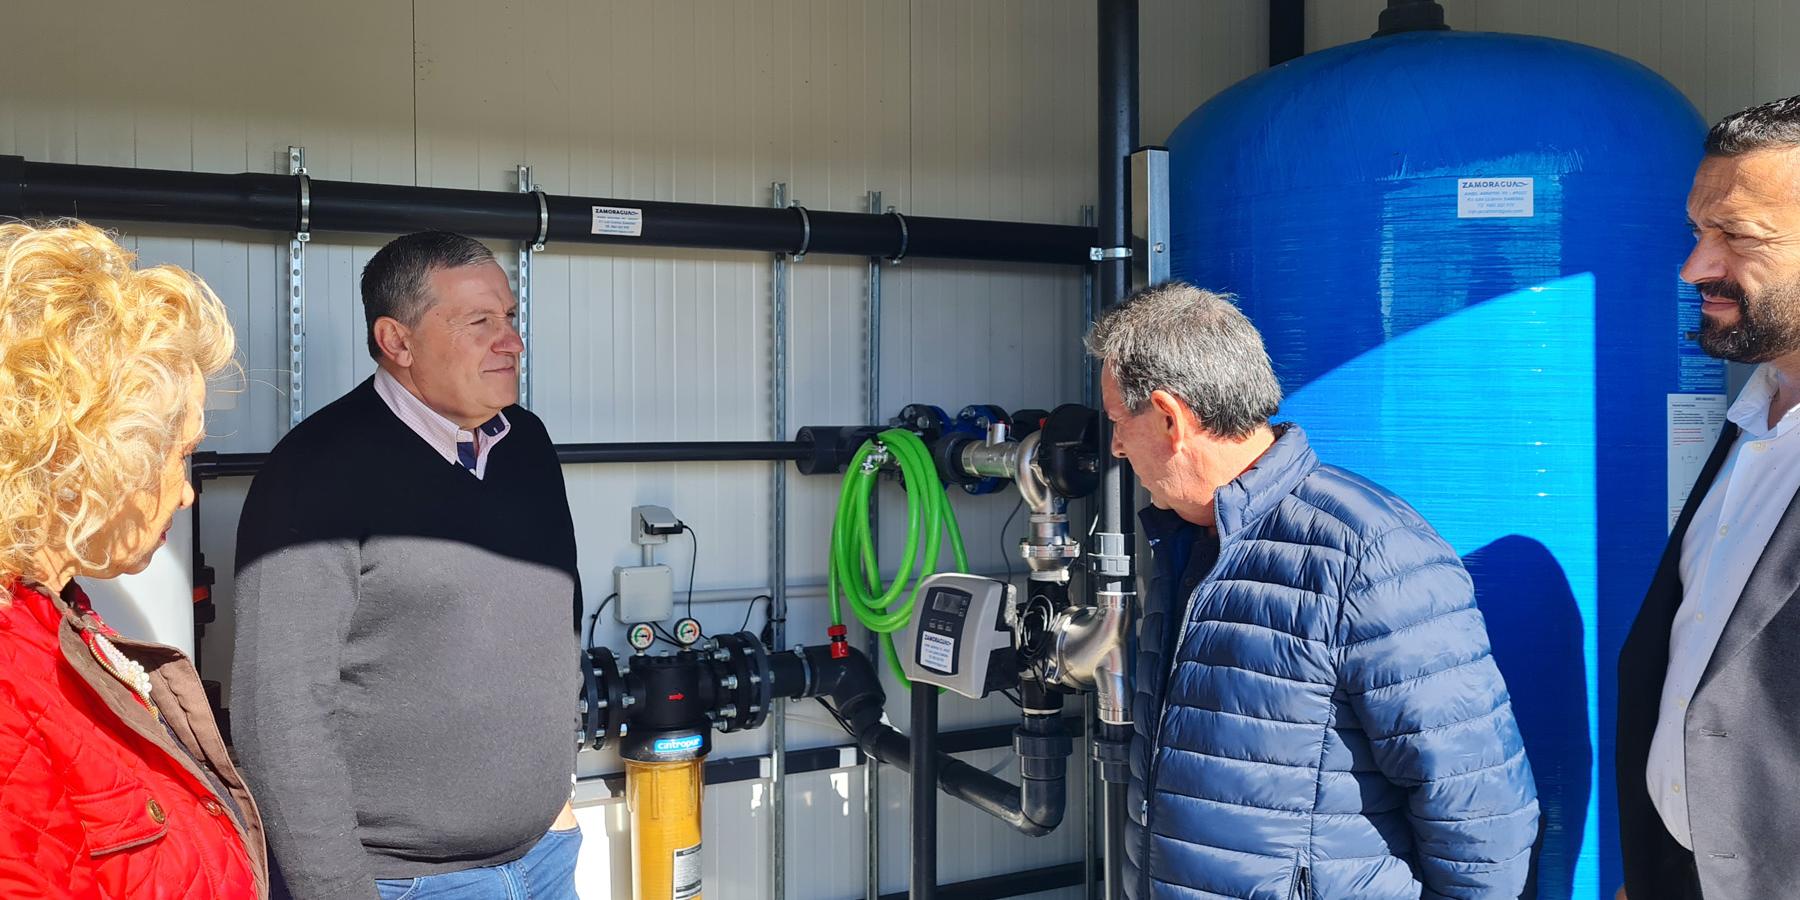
(1118, 36)
(209, 464)
(1112, 747)
(1034, 806)
(1043, 747)
(272, 203)
(1287, 30)
(1118, 29)
(987, 792)
(1118, 137)
(729, 770)
(990, 737)
(682, 451)
(924, 772)
(1113, 849)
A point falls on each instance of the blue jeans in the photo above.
(546, 873)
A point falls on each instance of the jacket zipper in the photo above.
(1302, 889)
(1162, 716)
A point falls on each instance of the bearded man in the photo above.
(1709, 686)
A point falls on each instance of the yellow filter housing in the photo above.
(664, 799)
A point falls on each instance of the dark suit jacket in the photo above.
(1742, 729)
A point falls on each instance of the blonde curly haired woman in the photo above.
(114, 781)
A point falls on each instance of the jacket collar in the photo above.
(1260, 488)
(51, 610)
(1250, 496)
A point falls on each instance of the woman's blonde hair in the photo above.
(96, 364)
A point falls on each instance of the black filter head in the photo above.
(1402, 16)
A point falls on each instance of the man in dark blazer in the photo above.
(1709, 678)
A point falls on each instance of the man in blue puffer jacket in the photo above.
(1317, 712)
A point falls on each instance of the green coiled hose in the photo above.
(856, 573)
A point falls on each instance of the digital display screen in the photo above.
(955, 602)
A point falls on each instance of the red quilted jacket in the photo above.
(97, 798)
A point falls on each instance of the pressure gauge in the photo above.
(641, 636)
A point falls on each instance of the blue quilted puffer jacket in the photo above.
(1326, 721)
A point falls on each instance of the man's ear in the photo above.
(395, 341)
(1178, 422)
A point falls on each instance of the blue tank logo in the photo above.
(686, 744)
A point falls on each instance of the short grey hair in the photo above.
(1774, 125)
(396, 279)
(1196, 345)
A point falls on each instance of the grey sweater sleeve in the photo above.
(293, 602)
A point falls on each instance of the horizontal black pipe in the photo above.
(726, 770)
(209, 464)
(682, 451)
(272, 203)
(1011, 884)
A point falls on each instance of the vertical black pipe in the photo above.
(1118, 138)
(1114, 847)
(1287, 30)
(1118, 52)
(924, 791)
(1118, 29)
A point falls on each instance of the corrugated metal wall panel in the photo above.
(1192, 50)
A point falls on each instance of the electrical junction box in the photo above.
(646, 593)
(958, 636)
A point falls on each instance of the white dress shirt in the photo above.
(442, 434)
(1723, 542)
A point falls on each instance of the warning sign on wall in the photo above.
(1694, 424)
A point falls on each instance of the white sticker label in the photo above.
(618, 220)
(937, 652)
(1694, 424)
(1494, 198)
(686, 877)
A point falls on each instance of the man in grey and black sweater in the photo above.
(405, 660)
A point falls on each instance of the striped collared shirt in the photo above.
(464, 447)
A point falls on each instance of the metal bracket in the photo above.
(296, 272)
(543, 232)
(805, 232)
(905, 236)
(1150, 215)
(526, 251)
(1110, 559)
(304, 234)
(1102, 254)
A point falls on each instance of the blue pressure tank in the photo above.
(1462, 250)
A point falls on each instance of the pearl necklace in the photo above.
(122, 667)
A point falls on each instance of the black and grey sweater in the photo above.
(405, 664)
